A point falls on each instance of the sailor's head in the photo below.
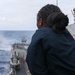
(51, 15)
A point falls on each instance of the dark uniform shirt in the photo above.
(51, 53)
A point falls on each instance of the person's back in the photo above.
(52, 49)
(60, 52)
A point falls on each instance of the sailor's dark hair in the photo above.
(53, 17)
(57, 21)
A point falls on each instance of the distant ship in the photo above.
(18, 58)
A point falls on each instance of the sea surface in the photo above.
(7, 38)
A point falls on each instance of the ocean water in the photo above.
(7, 38)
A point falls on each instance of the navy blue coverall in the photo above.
(51, 53)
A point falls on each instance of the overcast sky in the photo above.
(21, 14)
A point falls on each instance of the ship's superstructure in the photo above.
(71, 27)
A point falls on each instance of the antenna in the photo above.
(57, 2)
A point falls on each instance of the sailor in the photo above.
(52, 49)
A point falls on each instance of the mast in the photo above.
(57, 2)
(74, 15)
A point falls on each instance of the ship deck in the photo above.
(22, 70)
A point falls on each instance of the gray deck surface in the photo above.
(22, 70)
